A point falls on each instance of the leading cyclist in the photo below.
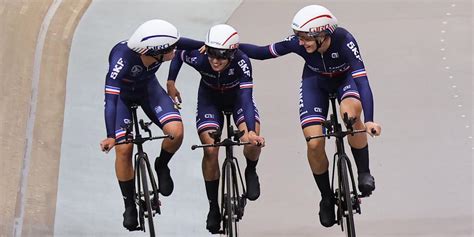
(332, 64)
(131, 79)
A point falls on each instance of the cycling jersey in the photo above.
(339, 65)
(230, 89)
(129, 81)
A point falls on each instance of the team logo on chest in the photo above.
(335, 55)
(136, 70)
(231, 72)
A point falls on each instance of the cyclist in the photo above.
(226, 84)
(332, 64)
(131, 79)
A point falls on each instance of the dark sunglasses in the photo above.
(220, 53)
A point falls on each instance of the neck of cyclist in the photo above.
(148, 60)
(323, 45)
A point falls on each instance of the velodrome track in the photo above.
(56, 182)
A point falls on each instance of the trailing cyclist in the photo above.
(226, 84)
(131, 79)
(332, 64)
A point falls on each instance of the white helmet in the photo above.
(154, 37)
(222, 41)
(314, 19)
(222, 37)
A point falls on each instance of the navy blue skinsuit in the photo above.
(340, 69)
(230, 89)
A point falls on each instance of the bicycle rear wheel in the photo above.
(146, 194)
(347, 214)
(230, 201)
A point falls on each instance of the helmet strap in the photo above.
(158, 58)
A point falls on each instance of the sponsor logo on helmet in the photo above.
(295, 24)
(319, 28)
(215, 42)
(158, 47)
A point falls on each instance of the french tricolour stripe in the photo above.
(244, 85)
(168, 116)
(207, 125)
(312, 118)
(351, 94)
(273, 51)
(112, 90)
(359, 73)
(119, 133)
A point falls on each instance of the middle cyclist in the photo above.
(226, 84)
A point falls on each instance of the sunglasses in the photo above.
(220, 53)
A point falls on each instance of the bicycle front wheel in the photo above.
(146, 194)
(230, 202)
(347, 214)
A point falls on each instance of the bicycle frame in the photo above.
(346, 193)
(232, 201)
(143, 172)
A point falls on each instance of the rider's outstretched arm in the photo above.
(270, 51)
(188, 44)
(245, 93)
(117, 69)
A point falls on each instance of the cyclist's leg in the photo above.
(209, 119)
(313, 111)
(124, 166)
(251, 153)
(350, 104)
(160, 109)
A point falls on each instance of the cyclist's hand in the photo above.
(173, 93)
(107, 144)
(256, 140)
(202, 50)
(373, 129)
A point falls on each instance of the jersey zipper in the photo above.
(324, 64)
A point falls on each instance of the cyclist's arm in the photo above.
(266, 52)
(175, 65)
(188, 44)
(352, 54)
(245, 93)
(117, 69)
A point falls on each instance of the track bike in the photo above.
(347, 197)
(147, 200)
(233, 201)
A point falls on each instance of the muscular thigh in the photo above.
(208, 114)
(122, 119)
(158, 106)
(313, 103)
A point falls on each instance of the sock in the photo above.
(361, 157)
(163, 159)
(212, 190)
(128, 190)
(322, 180)
(251, 164)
